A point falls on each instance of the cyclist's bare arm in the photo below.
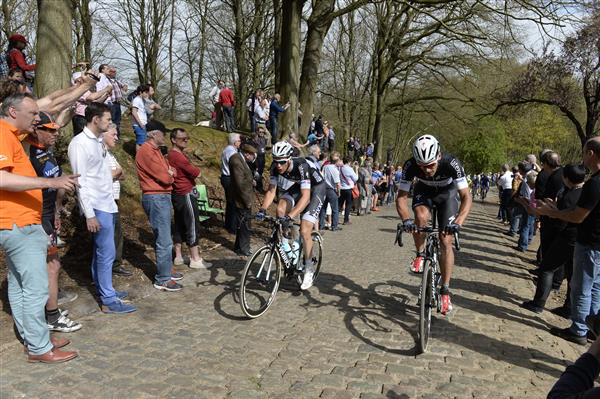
(302, 202)
(269, 196)
(402, 205)
(466, 200)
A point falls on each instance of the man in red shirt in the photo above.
(227, 101)
(156, 181)
(185, 201)
(16, 58)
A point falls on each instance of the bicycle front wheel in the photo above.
(260, 282)
(425, 306)
(317, 252)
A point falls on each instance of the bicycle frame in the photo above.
(275, 243)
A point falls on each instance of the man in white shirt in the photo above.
(214, 98)
(505, 189)
(88, 157)
(108, 77)
(347, 180)
(331, 174)
(235, 142)
(139, 115)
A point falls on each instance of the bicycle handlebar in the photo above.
(400, 230)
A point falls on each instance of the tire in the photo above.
(258, 294)
(317, 257)
(425, 306)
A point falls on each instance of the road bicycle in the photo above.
(429, 292)
(263, 271)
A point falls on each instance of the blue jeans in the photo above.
(158, 210)
(526, 231)
(104, 256)
(515, 223)
(332, 199)
(25, 250)
(140, 135)
(585, 286)
(115, 114)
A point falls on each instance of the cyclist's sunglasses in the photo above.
(281, 161)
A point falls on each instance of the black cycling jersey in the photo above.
(301, 175)
(45, 165)
(449, 173)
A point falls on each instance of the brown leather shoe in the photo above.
(55, 341)
(52, 356)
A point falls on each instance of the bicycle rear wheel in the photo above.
(425, 306)
(260, 282)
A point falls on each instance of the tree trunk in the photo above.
(86, 29)
(310, 65)
(290, 63)
(54, 46)
(276, 43)
(171, 74)
(241, 64)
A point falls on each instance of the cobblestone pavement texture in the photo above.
(351, 336)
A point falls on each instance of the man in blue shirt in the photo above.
(274, 111)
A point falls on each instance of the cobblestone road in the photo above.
(350, 336)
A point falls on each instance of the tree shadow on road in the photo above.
(395, 308)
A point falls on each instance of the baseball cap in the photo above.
(46, 121)
(156, 125)
(17, 38)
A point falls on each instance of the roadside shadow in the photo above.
(368, 310)
(135, 253)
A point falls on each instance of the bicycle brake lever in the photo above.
(456, 241)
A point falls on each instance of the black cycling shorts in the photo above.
(445, 200)
(313, 209)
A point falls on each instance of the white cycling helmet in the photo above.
(282, 149)
(426, 149)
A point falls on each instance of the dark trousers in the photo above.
(548, 233)
(186, 217)
(118, 239)
(504, 200)
(260, 168)
(252, 121)
(345, 199)
(115, 114)
(78, 124)
(559, 256)
(228, 118)
(218, 115)
(331, 197)
(230, 208)
(274, 133)
(242, 233)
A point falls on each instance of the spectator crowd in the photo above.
(561, 202)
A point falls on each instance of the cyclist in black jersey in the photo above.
(301, 190)
(439, 178)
